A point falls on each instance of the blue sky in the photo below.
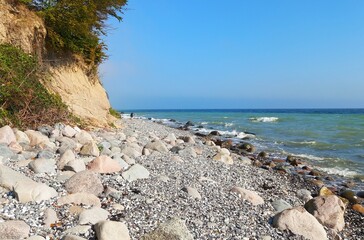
(170, 54)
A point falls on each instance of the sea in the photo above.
(332, 140)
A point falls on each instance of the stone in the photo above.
(5, 152)
(36, 138)
(22, 138)
(92, 216)
(135, 172)
(174, 229)
(65, 175)
(188, 152)
(46, 154)
(80, 198)
(245, 160)
(14, 229)
(36, 237)
(42, 165)
(304, 195)
(131, 152)
(248, 195)
(350, 195)
(76, 165)
(223, 158)
(66, 157)
(111, 230)
(15, 147)
(68, 131)
(300, 222)
(170, 138)
(188, 139)
(324, 191)
(78, 230)
(50, 217)
(328, 210)
(83, 137)
(7, 135)
(247, 147)
(192, 192)
(90, 149)
(157, 145)
(72, 237)
(358, 208)
(25, 189)
(66, 144)
(280, 205)
(104, 164)
(85, 181)
(176, 159)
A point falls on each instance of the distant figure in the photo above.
(131, 115)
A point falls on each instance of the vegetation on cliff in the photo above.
(76, 26)
(24, 101)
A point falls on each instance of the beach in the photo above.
(149, 181)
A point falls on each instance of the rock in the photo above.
(223, 158)
(324, 191)
(50, 217)
(68, 131)
(104, 164)
(350, 195)
(111, 230)
(83, 137)
(188, 139)
(245, 160)
(22, 138)
(72, 237)
(360, 194)
(80, 198)
(46, 154)
(328, 210)
(78, 230)
(131, 152)
(300, 222)
(93, 216)
(25, 189)
(247, 147)
(176, 159)
(192, 192)
(136, 172)
(304, 195)
(14, 229)
(157, 145)
(90, 149)
(5, 153)
(174, 229)
(15, 147)
(65, 175)
(248, 195)
(188, 152)
(124, 165)
(66, 144)
(36, 237)
(358, 208)
(170, 138)
(85, 181)
(280, 205)
(66, 157)
(210, 143)
(42, 165)
(76, 165)
(36, 138)
(7, 135)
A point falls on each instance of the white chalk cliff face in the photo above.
(85, 97)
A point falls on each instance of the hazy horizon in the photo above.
(236, 55)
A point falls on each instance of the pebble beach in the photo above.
(150, 181)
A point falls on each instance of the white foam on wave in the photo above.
(339, 171)
(204, 123)
(229, 124)
(243, 135)
(308, 156)
(305, 142)
(264, 119)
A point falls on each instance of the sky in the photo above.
(209, 54)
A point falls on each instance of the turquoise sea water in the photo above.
(331, 139)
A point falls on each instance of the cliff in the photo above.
(68, 76)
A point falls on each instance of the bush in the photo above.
(114, 113)
(24, 101)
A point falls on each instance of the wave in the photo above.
(264, 119)
(339, 171)
(308, 156)
(298, 143)
(229, 124)
(204, 123)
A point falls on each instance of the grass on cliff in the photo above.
(24, 101)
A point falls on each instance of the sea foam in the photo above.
(264, 119)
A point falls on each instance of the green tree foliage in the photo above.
(77, 25)
(24, 101)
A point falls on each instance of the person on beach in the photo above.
(131, 115)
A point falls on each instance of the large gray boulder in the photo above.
(300, 222)
(174, 229)
(42, 165)
(157, 145)
(85, 181)
(328, 210)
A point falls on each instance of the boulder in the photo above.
(104, 164)
(69, 131)
(136, 172)
(90, 149)
(111, 230)
(14, 229)
(80, 198)
(72, 237)
(42, 165)
(304, 195)
(248, 195)
(174, 229)
(50, 217)
(188, 152)
(7, 135)
(280, 205)
(131, 151)
(223, 158)
(66, 144)
(92, 216)
(328, 210)
(22, 138)
(5, 152)
(85, 181)
(76, 165)
(83, 137)
(157, 145)
(188, 139)
(25, 189)
(66, 157)
(300, 222)
(36, 138)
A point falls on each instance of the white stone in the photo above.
(42, 165)
(248, 195)
(7, 135)
(22, 138)
(157, 145)
(90, 149)
(69, 131)
(93, 216)
(111, 230)
(136, 172)
(36, 137)
(50, 217)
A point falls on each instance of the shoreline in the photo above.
(187, 178)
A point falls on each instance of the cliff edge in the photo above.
(68, 76)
